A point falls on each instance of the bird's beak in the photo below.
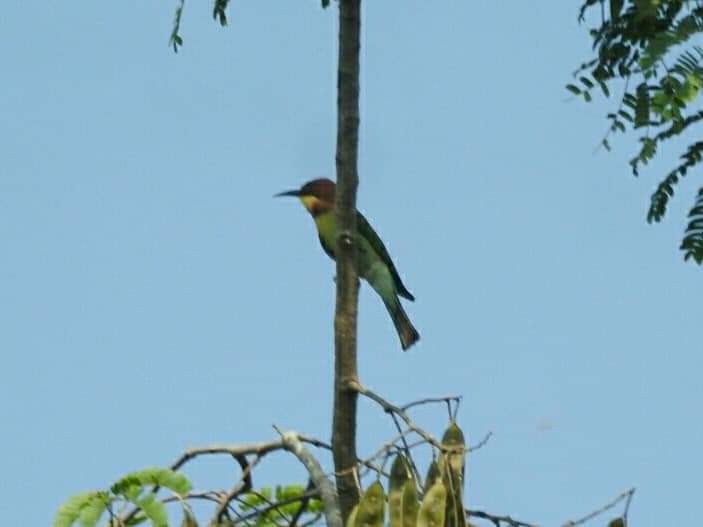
(294, 193)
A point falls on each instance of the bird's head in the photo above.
(317, 196)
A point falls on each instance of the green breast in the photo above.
(325, 223)
(326, 231)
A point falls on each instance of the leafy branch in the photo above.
(635, 40)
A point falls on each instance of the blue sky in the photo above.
(156, 297)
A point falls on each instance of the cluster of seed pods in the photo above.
(437, 503)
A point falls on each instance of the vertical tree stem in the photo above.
(345, 399)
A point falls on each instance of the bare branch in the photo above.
(239, 453)
(328, 495)
(257, 449)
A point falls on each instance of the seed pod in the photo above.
(371, 507)
(454, 514)
(188, 519)
(411, 505)
(433, 474)
(431, 512)
(452, 469)
(453, 439)
(351, 521)
(400, 474)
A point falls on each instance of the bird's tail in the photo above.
(406, 331)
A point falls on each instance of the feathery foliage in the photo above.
(86, 509)
(647, 47)
(219, 11)
(692, 244)
(176, 40)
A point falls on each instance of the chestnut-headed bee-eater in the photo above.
(374, 263)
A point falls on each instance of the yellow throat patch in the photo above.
(315, 205)
(309, 202)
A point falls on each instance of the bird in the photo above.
(374, 264)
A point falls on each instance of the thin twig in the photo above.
(430, 400)
(499, 520)
(627, 496)
(243, 485)
(270, 506)
(303, 506)
(406, 449)
(210, 495)
(312, 520)
(627, 504)
(393, 409)
(391, 445)
(276, 505)
(480, 443)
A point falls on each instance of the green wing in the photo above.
(364, 228)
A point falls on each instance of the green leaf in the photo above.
(251, 500)
(573, 89)
(315, 505)
(615, 9)
(604, 88)
(289, 491)
(626, 116)
(690, 88)
(692, 244)
(176, 39)
(586, 82)
(133, 483)
(129, 486)
(325, 4)
(90, 514)
(71, 509)
(154, 510)
(218, 11)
